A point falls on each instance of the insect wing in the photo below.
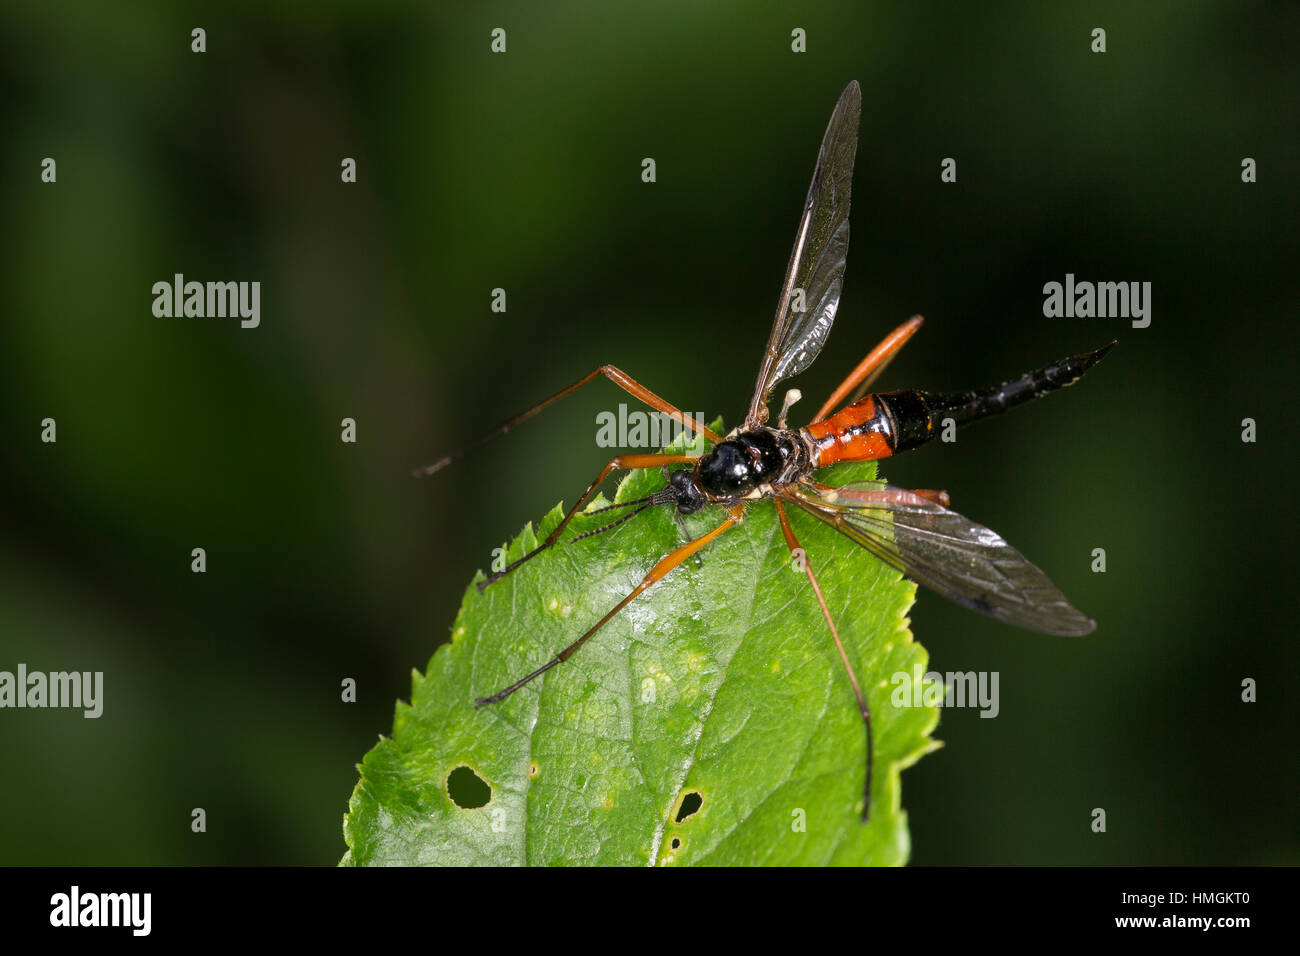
(816, 268)
(948, 553)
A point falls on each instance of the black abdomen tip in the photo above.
(1092, 358)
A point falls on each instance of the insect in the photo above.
(912, 530)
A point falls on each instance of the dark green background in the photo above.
(522, 171)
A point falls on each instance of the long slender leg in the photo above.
(618, 377)
(939, 497)
(871, 366)
(665, 565)
(619, 461)
(793, 544)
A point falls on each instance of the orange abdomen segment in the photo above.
(858, 432)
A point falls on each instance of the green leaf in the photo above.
(720, 682)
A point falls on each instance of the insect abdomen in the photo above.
(862, 431)
(919, 416)
(882, 425)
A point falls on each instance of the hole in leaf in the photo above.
(467, 789)
(676, 843)
(690, 804)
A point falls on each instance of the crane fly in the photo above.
(911, 530)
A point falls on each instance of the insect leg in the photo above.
(617, 376)
(619, 461)
(665, 565)
(940, 498)
(793, 544)
(871, 366)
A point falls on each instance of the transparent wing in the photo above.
(949, 554)
(810, 295)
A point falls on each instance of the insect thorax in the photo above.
(741, 464)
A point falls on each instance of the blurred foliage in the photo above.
(522, 171)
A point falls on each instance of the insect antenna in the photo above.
(611, 525)
(649, 501)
